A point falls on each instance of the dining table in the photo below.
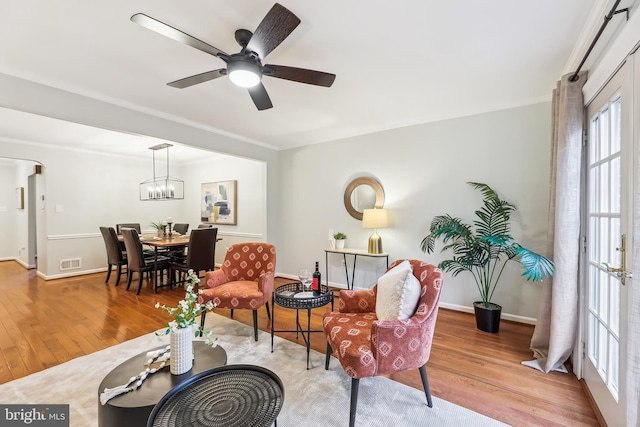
(157, 242)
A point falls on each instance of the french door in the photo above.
(608, 221)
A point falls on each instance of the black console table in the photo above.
(133, 409)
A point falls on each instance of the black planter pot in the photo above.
(487, 319)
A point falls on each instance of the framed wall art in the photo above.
(218, 202)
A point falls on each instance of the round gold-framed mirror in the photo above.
(363, 193)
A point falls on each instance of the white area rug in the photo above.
(312, 398)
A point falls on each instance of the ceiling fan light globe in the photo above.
(244, 78)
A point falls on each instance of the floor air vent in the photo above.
(70, 264)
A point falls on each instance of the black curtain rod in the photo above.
(607, 18)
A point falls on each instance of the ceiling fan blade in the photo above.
(274, 28)
(175, 34)
(260, 97)
(198, 78)
(300, 75)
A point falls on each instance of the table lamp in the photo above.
(375, 218)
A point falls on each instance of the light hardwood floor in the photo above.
(45, 323)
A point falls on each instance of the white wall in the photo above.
(8, 211)
(251, 191)
(85, 190)
(423, 170)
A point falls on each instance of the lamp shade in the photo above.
(244, 73)
(375, 218)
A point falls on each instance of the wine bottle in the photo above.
(317, 283)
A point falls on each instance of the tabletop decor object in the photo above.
(375, 218)
(155, 361)
(181, 328)
(169, 222)
(159, 227)
(339, 240)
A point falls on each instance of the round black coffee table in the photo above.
(228, 396)
(133, 408)
(294, 296)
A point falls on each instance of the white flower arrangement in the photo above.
(188, 309)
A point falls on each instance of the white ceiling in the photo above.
(397, 62)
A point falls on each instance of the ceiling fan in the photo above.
(245, 68)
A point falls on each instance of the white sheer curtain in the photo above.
(555, 332)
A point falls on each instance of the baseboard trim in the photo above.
(24, 264)
(73, 274)
(592, 403)
(505, 316)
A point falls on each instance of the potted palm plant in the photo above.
(484, 250)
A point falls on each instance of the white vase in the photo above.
(181, 350)
(340, 244)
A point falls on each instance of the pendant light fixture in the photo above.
(161, 187)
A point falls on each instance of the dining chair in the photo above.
(368, 346)
(115, 256)
(181, 228)
(203, 225)
(133, 225)
(244, 281)
(119, 228)
(137, 262)
(200, 256)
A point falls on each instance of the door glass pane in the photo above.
(603, 237)
(594, 141)
(603, 293)
(593, 294)
(594, 202)
(615, 125)
(613, 369)
(603, 351)
(603, 191)
(604, 134)
(614, 189)
(594, 239)
(593, 339)
(614, 258)
(614, 309)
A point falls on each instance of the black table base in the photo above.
(285, 296)
(133, 409)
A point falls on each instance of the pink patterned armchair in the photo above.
(366, 346)
(244, 281)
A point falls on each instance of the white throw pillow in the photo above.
(398, 293)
